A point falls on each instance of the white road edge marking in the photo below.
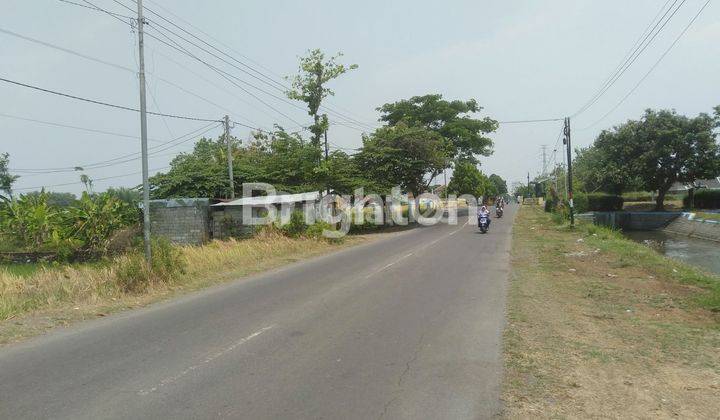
(208, 359)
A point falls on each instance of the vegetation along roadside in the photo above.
(599, 326)
(31, 303)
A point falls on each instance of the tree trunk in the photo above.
(660, 200)
(691, 197)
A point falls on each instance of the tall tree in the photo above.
(468, 179)
(410, 157)
(660, 149)
(499, 183)
(453, 120)
(6, 180)
(309, 86)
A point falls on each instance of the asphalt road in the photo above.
(405, 327)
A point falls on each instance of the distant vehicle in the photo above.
(498, 212)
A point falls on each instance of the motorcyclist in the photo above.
(483, 211)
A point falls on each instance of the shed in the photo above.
(227, 218)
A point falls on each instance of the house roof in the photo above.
(272, 199)
(712, 184)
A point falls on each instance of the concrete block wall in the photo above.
(642, 220)
(182, 221)
(227, 222)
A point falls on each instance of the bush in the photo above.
(704, 199)
(134, 275)
(580, 202)
(296, 226)
(604, 202)
(551, 205)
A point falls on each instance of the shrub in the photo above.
(134, 275)
(296, 226)
(580, 202)
(704, 199)
(316, 229)
(604, 202)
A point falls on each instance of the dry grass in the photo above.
(58, 296)
(600, 327)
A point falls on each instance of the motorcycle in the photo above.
(499, 212)
(483, 223)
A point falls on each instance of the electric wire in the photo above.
(627, 95)
(635, 56)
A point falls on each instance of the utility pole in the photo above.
(529, 192)
(143, 137)
(568, 143)
(445, 179)
(327, 156)
(226, 121)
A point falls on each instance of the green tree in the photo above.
(410, 157)
(202, 173)
(283, 160)
(499, 183)
(660, 149)
(468, 179)
(6, 180)
(466, 136)
(309, 86)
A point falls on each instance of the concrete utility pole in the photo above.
(327, 156)
(568, 143)
(143, 137)
(529, 193)
(226, 122)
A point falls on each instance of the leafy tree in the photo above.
(410, 157)
(466, 136)
(283, 160)
(468, 179)
(523, 190)
(309, 86)
(201, 173)
(6, 180)
(596, 169)
(499, 183)
(342, 173)
(658, 150)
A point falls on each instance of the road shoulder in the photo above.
(600, 327)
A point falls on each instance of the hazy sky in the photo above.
(518, 59)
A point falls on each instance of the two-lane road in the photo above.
(405, 327)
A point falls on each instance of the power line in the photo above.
(175, 45)
(96, 102)
(530, 121)
(120, 67)
(629, 62)
(95, 8)
(349, 120)
(269, 81)
(74, 127)
(651, 68)
(94, 180)
(124, 158)
(227, 76)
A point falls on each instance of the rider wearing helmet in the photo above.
(483, 211)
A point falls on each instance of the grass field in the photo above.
(601, 327)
